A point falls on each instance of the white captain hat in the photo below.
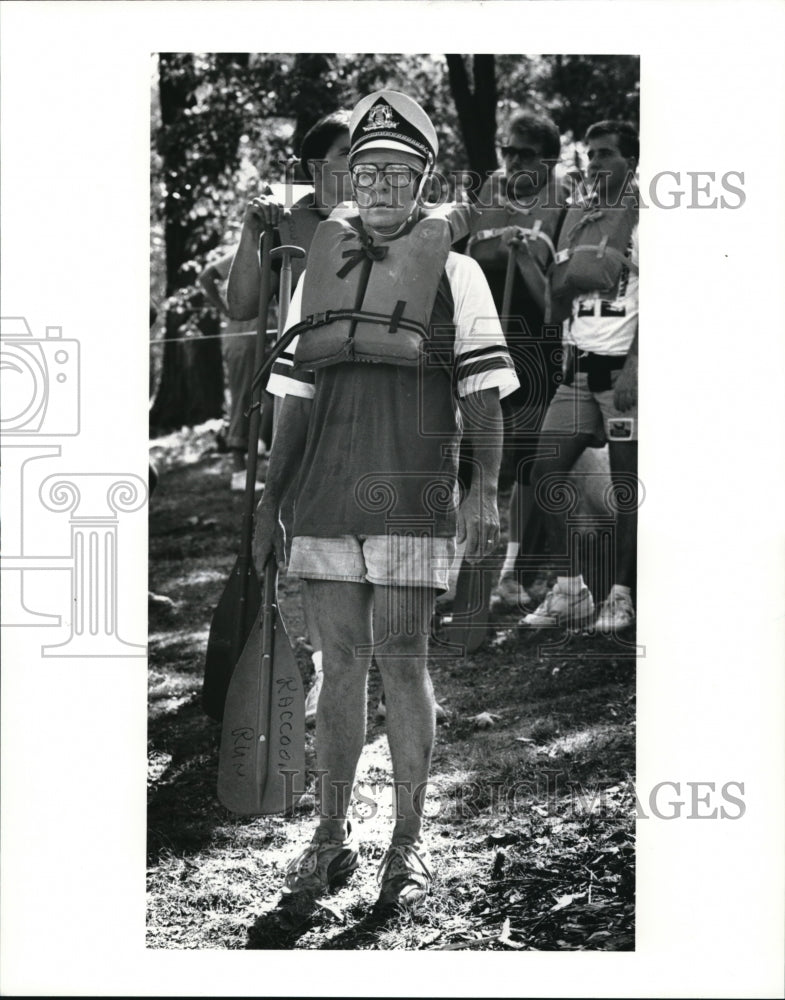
(388, 119)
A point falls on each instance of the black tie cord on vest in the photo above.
(368, 251)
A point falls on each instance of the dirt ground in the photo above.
(531, 806)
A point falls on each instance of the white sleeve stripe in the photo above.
(280, 385)
(505, 380)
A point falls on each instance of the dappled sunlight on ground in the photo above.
(529, 815)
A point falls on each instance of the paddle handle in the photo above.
(265, 702)
(244, 562)
(285, 254)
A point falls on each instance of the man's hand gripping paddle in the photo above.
(239, 603)
(471, 607)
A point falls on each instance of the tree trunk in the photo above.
(191, 387)
(476, 112)
(313, 98)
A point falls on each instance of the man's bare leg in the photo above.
(343, 615)
(402, 615)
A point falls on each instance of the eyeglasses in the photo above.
(519, 152)
(395, 175)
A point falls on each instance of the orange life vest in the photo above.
(298, 229)
(537, 217)
(369, 299)
(593, 250)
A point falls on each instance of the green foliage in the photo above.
(579, 90)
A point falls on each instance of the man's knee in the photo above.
(407, 666)
(344, 652)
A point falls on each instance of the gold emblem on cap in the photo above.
(380, 116)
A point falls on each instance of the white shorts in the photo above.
(392, 560)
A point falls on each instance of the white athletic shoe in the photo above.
(616, 613)
(509, 595)
(558, 608)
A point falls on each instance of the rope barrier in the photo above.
(210, 336)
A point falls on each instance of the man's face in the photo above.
(608, 169)
(331, 174)
(524, 167)
(385, 183)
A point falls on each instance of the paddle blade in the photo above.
(471, 607)
(261, 766)
(228, 636)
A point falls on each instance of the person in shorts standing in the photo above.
(594, 281)
(399, 350)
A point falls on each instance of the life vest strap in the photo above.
(599, 250)
(393, 322)
(534, 233)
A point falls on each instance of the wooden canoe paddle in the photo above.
(239, 603)
(472, 604)
(261, 764)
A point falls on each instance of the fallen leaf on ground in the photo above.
(504, 936)
(565, 900)
(485, 720)
(332, 908)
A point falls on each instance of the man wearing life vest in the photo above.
(526, 202)
(399, 349)
(324, 161)
(594, 282)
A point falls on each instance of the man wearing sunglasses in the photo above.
(523, 202)
(399, 348)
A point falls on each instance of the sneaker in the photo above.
(616, 613)
(509, 595)
(321, 867)
(558, 608)
(312, 698)
(404, 876)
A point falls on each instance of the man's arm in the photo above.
(242, 292)
(625, 393)
(478, 517)
(209, 280)
(285, 458)
(458, 216)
